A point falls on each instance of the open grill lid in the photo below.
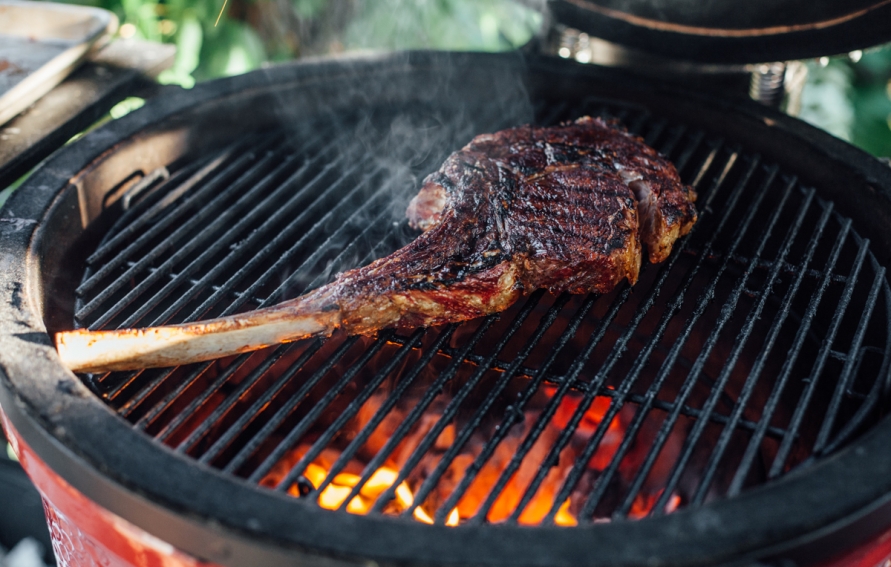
(716, 31)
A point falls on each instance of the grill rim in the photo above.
(84, 442)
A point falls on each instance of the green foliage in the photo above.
(251, 32)
(826, 99)
(231, 48)
(871, 96)
(188, 41)
(852, 100)
(308, 8)
(487, 25)
(126, 106)
(205, 48)
(873, 129)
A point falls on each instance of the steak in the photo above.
(565, 208)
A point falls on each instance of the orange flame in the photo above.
(339, 488)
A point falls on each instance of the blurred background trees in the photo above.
(214, 40)
(851, 98)
(848, 96)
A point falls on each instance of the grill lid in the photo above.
(756, 31)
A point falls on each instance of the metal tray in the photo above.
(40, 44)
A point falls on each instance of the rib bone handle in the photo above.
(131, 349)
(566, 208)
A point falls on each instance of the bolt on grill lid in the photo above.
(715, 31)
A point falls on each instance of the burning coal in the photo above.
(463, 490)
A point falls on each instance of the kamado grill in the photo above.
(727, 409)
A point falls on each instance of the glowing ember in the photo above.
(332, 494)
(564, 517)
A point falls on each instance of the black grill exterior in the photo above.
(760, 348)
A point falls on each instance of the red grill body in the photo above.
(83, 533)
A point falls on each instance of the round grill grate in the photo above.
(756, 349)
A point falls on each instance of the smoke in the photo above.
(359, 133)
(381, 124)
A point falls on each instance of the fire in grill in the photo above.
(757, 348)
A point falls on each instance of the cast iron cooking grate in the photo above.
(758, 347)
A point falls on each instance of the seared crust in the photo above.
(563, 208)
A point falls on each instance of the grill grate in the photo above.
(755, 349)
